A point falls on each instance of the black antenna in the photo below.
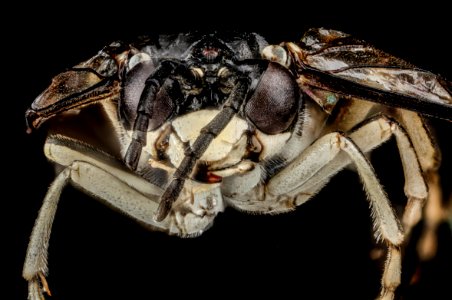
(192, 154)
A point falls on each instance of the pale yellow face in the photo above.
(226, 150)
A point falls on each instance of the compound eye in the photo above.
(134, 86)
(162, 107)
(274, 103)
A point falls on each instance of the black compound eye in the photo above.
(134, 86)
(274, 103)
(162, 107)
(131, 91)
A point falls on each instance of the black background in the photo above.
(320, 251)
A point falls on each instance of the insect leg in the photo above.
(429, 159)
(385, 221)
(434, 215)
(321, 154)
(132, 195)
(420, 160)
(415, 185)
(386, 224)
(35, 266)
(367, 136)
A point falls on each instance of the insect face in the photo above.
(208, 121)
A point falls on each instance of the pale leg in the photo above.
(320, 162)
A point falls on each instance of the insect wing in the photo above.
(332, 61)
(89, 82)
